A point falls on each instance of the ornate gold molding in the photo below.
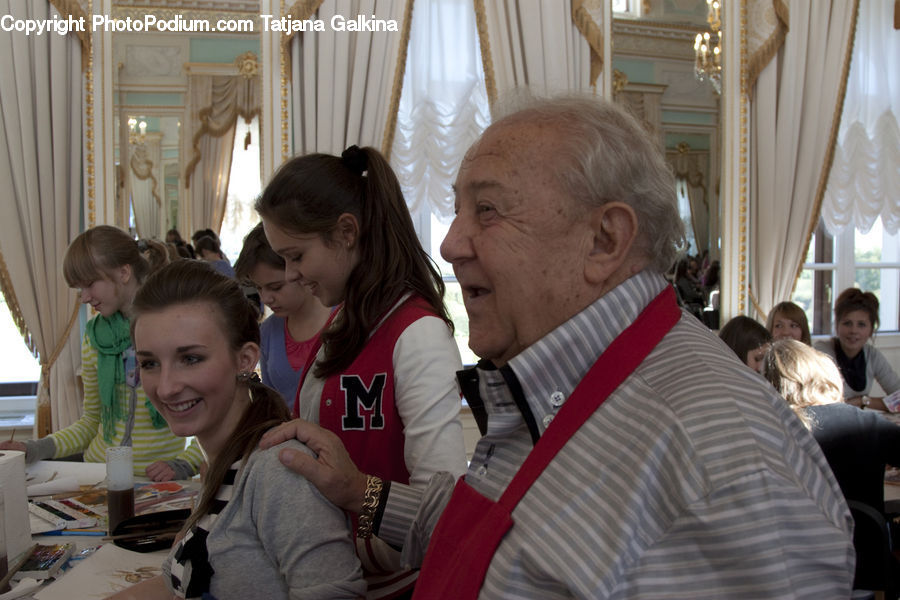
(301, 10)
(767, 51)
(487, 62)
(592, 33)
(397, 88)
(71, 8)
(743, 196)
(620, 80)
(284, 60)
(247, 65)
(89, 143)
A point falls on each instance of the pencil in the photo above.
(145, 534)
(9, 575)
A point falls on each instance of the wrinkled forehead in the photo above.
(510, 150)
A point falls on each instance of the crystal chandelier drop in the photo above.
(708, 48)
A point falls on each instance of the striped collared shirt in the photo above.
(694, 479)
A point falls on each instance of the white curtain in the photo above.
(215, 102)
(342, 83)
(40, 167)
(865, 175)
(692, 167)
(534, 43)
(444, 106)
(144, 168)
(794, 112)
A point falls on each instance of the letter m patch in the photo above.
(359, 398)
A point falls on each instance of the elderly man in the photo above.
(626, 452)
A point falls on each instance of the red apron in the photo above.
(471, 526)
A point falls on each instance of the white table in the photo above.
(111, 568)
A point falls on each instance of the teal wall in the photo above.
(697, 141)
(153, 99)
(222, 49)
(637, 71)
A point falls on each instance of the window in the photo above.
(869, 261)
(684, 209)
(244, 186)
(627, 8)
(453, 295)
(18, 364)
(443, 109)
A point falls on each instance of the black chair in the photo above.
(876, 567)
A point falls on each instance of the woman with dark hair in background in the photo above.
(383, 379)
(861, 364)
(748, 339)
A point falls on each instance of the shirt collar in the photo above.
(550, 369)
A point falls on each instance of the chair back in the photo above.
(876, 566)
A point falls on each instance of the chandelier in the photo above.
(137, 132)
(708, 48)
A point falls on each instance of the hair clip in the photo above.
(248, 377)
(355, 159)
(142, 245)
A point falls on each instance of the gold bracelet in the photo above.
(370, 505)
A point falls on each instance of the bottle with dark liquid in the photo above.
(119, 485)
(120, 506)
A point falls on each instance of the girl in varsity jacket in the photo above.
(383, 375)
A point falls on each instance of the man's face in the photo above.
(518, 242)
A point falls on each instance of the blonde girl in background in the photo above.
(107, 266)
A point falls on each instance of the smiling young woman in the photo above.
(860, 363)
(257, 532)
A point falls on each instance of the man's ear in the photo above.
(346, 230)
(615, 227)
(248, 356)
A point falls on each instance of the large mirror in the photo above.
(181, 100)
(667, 71)
(654, 60)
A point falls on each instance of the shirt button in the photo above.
(557, 399)
(482, 471)
(546, 421)
(328, 402)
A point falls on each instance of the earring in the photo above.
(248, 377)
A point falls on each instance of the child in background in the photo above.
(384, 378)
(290, 332)
(107, 266)
(787, 320)
(748, 339)
(258, 531)
(208, 249)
